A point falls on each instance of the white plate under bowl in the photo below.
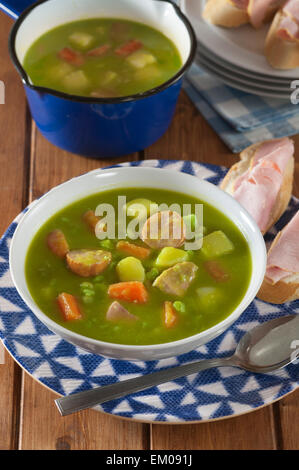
(252, 82)
(242, 46)
(242, 72)
(230, 79)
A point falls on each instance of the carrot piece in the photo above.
(57, 243)
(72, 57)
(216, 271)
(133, 250)
(99, 51)
(170, 315)
(69, 307)
(91, 219)
(128, 48)
(132, 291)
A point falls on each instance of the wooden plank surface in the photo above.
(88, 430)
(13, 181)
(288, 408)
(190, 137)
(30, 166)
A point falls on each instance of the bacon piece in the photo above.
(128, 48)
(72, 57)
(216, 271)
(99, 51)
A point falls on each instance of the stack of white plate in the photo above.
(236, 56)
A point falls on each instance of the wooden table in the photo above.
(30, 166)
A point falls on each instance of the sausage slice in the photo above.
(87, 263)
(165, 228)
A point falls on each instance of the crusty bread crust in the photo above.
(281, 54)
(284, 194)
(224, 13)
(279, 293)
(285, 290)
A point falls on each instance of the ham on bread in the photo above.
(281, 282)
(262, 181)
(234, 13)
(282, 42)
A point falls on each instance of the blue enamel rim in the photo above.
(84, 99)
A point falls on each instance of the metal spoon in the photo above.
(267, 347)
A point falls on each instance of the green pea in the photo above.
(152, 274)
(107, 244)
(88, 292)
(179, 306)
(87, 285)
(98, 278)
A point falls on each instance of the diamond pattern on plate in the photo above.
(210, 394)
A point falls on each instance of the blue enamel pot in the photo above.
(105, 127)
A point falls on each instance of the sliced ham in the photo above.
(291, 7)
(116, 312)
(258, 10)
(257, 188)
(283, 258)
(288, 29)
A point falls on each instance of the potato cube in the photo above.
(140, 59)
(81, 40)
(170, 256)
(216, 244)
(76, 81)
(130, 269)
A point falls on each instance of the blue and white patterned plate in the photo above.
(211, 394)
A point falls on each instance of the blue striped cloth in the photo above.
(240, 119)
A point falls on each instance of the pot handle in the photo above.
(14, 8)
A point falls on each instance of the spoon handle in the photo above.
(96, 396)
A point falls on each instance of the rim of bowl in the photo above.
(86, 99)
(223, 325)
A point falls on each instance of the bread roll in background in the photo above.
(254, 161)
(281, 282)
(282, 42)
(226, 13)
